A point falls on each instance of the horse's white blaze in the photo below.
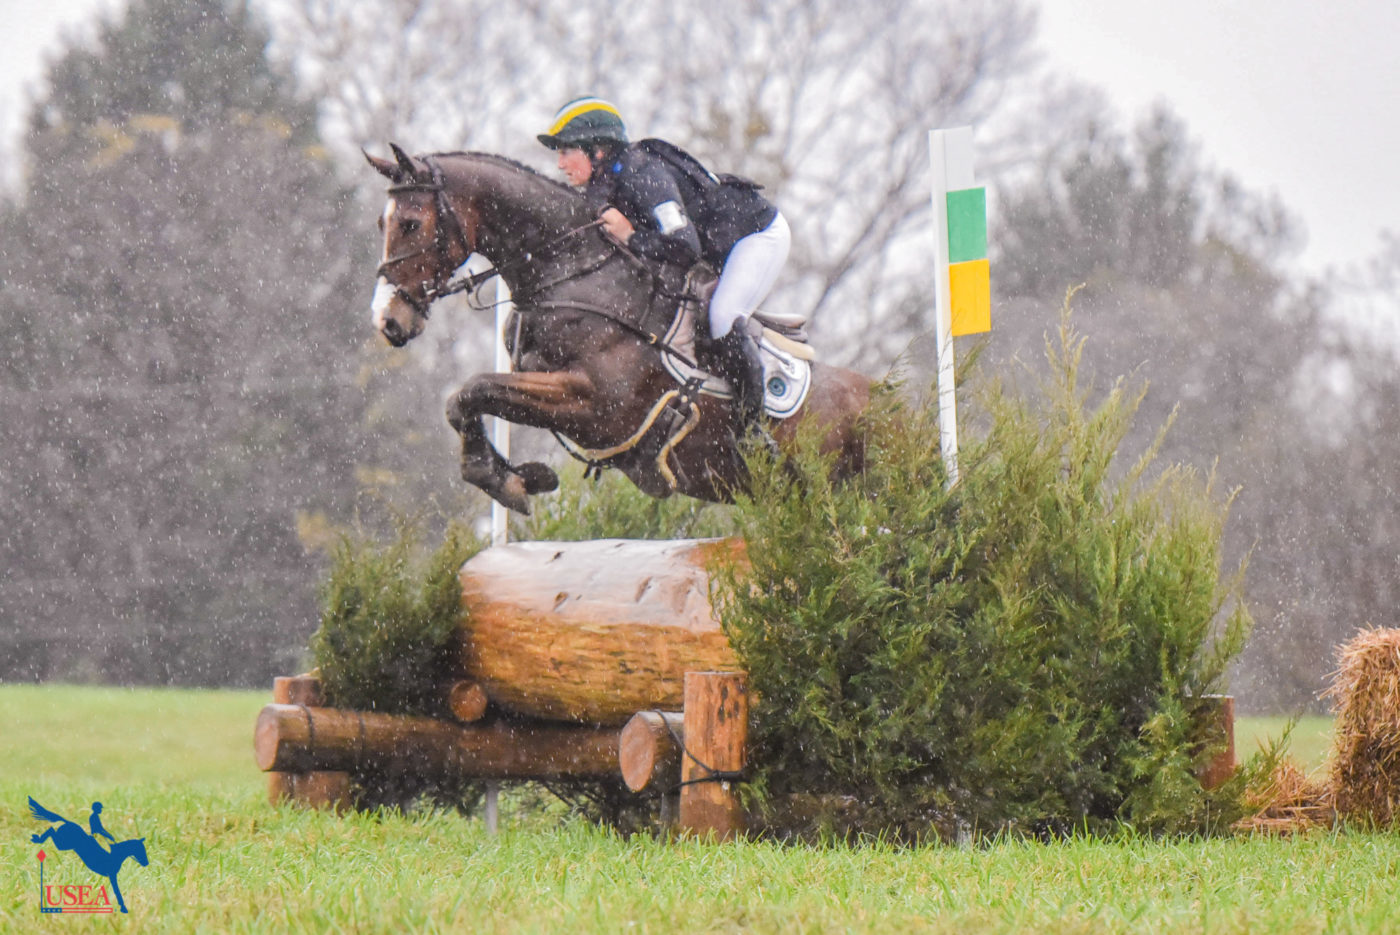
(384, 294)
(390, 207)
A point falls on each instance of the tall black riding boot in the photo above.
(739, 363)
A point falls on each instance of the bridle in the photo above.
(449, 229)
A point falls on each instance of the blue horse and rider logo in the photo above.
(68, 836)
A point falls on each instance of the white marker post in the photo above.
(500, 515)
(500, 428)
(950, 157)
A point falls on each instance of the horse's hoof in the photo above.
(511, 493)
(538, 478)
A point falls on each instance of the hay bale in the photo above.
(1366, 696)
(1287, 802)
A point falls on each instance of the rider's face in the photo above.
(573, 162)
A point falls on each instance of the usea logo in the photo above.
(65, 835)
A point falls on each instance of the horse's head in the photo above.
(423, 243)
(133, 847)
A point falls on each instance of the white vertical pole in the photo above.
(950, 159)
(500, 516)
(500, 428)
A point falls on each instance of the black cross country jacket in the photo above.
(681, 212)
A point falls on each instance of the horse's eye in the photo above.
(410, 226)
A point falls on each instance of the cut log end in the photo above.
(304, 689)
(273, 734)
(467, 701)
(648, 752)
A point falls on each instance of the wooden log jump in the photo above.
(561, 645)
(294, 738)
(591, 632)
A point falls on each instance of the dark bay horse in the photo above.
(587, 364)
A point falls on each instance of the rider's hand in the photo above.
(616, 225)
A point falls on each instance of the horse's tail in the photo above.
(43, 814)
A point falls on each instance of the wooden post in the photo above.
(1222, 767)
(717, 727)
(315, 788)
(648, 751)
(281, 787)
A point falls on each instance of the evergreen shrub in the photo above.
(1031, 650)
(389, 618)
(611, 507)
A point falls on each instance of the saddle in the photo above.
(677, 321)
(786, 330)
(782, 345)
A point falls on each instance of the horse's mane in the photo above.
(509, 163)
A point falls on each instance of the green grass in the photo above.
(128, 737)
(176, 767)
(1309, 743)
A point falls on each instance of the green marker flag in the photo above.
(969, 272)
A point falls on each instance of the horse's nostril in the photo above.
(392, 332)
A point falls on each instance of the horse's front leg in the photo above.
(539, 400)
(41, 838)
(117, 889)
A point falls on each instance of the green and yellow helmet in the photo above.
(582, 121)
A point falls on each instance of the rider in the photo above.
(95, 823)
(664, 205)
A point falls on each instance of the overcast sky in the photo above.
(1296, 97)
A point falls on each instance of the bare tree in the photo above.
(1333, 532)
(826, 103)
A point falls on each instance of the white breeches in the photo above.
(749, 273)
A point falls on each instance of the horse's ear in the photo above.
(406, 166)
(384, 167)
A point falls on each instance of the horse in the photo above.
(585, 336)
(67, 836)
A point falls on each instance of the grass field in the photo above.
(176, 767)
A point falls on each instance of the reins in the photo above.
(475, 279)
(442, 246)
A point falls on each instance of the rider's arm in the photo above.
(652, 202)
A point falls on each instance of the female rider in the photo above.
(664, 205)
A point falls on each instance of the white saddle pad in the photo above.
(787, 378)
